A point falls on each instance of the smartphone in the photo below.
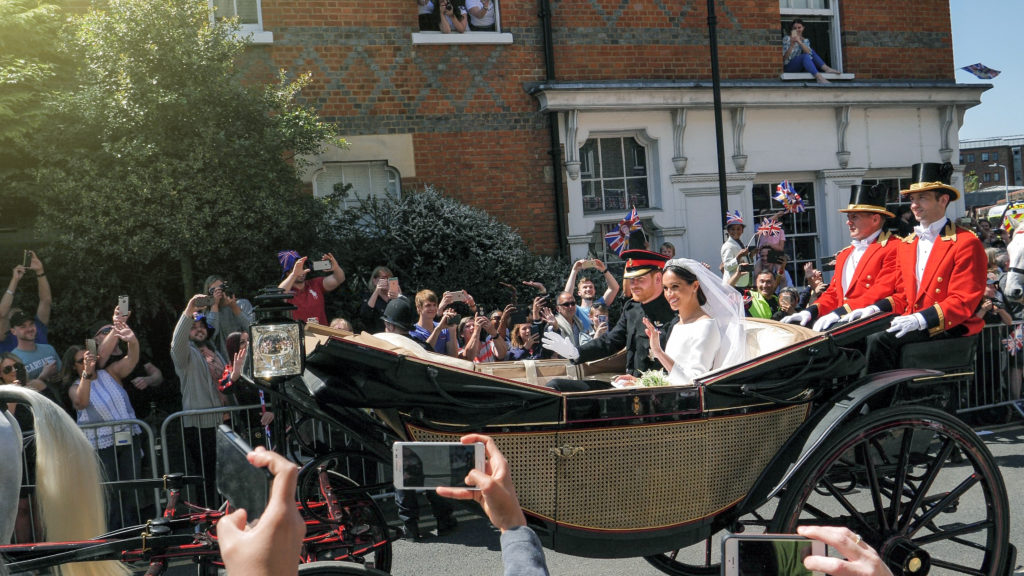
(458, 296)
(393, 284)
(90, 345)
(244, 485)
(602, 318)
(425, 465)
(321, 265)
(26, 259)
(759, 554)
(122, 305)
(518, 316)
(589, 263)
(204, 301)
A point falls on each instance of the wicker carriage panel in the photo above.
(743, 446)
(531, 461)
(634, 477)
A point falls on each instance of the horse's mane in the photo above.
(68, 475)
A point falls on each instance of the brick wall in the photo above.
(479, 135)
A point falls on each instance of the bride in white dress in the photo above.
(709, 333)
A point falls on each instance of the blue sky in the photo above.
(986, 31)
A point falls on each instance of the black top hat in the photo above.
(868, 199)
(932, 176)
(640, 262)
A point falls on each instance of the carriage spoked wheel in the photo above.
(916, 483)
(335, 500)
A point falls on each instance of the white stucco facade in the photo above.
(831, 137)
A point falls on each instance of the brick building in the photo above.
(977, 155)
(574, 110)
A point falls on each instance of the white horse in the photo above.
(68, 487)
(1015, 275)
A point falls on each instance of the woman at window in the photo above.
(797, 55)
(481, 15)
(451, 16)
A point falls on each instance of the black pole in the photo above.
(716, 89)
(544, 12)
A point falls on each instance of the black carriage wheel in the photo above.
(359, 512)
(337, 569)
(908, 479)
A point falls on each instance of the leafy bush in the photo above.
(431, 241)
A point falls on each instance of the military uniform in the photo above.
(629, 333)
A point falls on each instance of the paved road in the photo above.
(473, 549)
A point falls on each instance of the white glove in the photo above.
(825, 322)
(861, 313)
(802, 318)
(903, 325)
(560, 345)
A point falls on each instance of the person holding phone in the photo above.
(45, 302)
(308, 294)
(521, 552)
(481, 15)
(586, 289)
(99, 396)
(273, 545)
(381, 291)
(451, 16)
(797, 55)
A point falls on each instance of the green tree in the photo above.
(30, 68)
(431, 241)
(163, 165)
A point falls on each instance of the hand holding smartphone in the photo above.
(428, 465)
(322, 265)
(241, 483)
(759, 554)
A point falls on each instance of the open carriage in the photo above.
(797, 435)
(647, 471)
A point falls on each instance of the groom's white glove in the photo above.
(861, 313)
(825, 322)
(560, 345)
(903, 325)
(802, 317)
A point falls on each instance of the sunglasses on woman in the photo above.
(12, 367)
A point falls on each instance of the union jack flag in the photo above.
(769, 227)
(618, 239)
(788, 197)
(981, 71)
(1014, 341)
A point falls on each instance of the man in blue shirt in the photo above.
(41, 360)
(9, 341)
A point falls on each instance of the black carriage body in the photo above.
(604, 473)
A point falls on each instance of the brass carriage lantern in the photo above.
(275, 338)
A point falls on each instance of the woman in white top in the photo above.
(709, 333)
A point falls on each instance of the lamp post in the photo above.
(1006, 183)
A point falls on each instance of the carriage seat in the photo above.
(766, 336)
(403, 344)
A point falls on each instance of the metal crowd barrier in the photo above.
(130, 506)
(245, 420)
(999, 370)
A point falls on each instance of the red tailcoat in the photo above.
(874, 278)
(952, 284)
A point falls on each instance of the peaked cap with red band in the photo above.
(640, 262)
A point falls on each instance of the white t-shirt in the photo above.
(693, 348)
(487, 20)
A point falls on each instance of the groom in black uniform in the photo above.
(643, 272)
